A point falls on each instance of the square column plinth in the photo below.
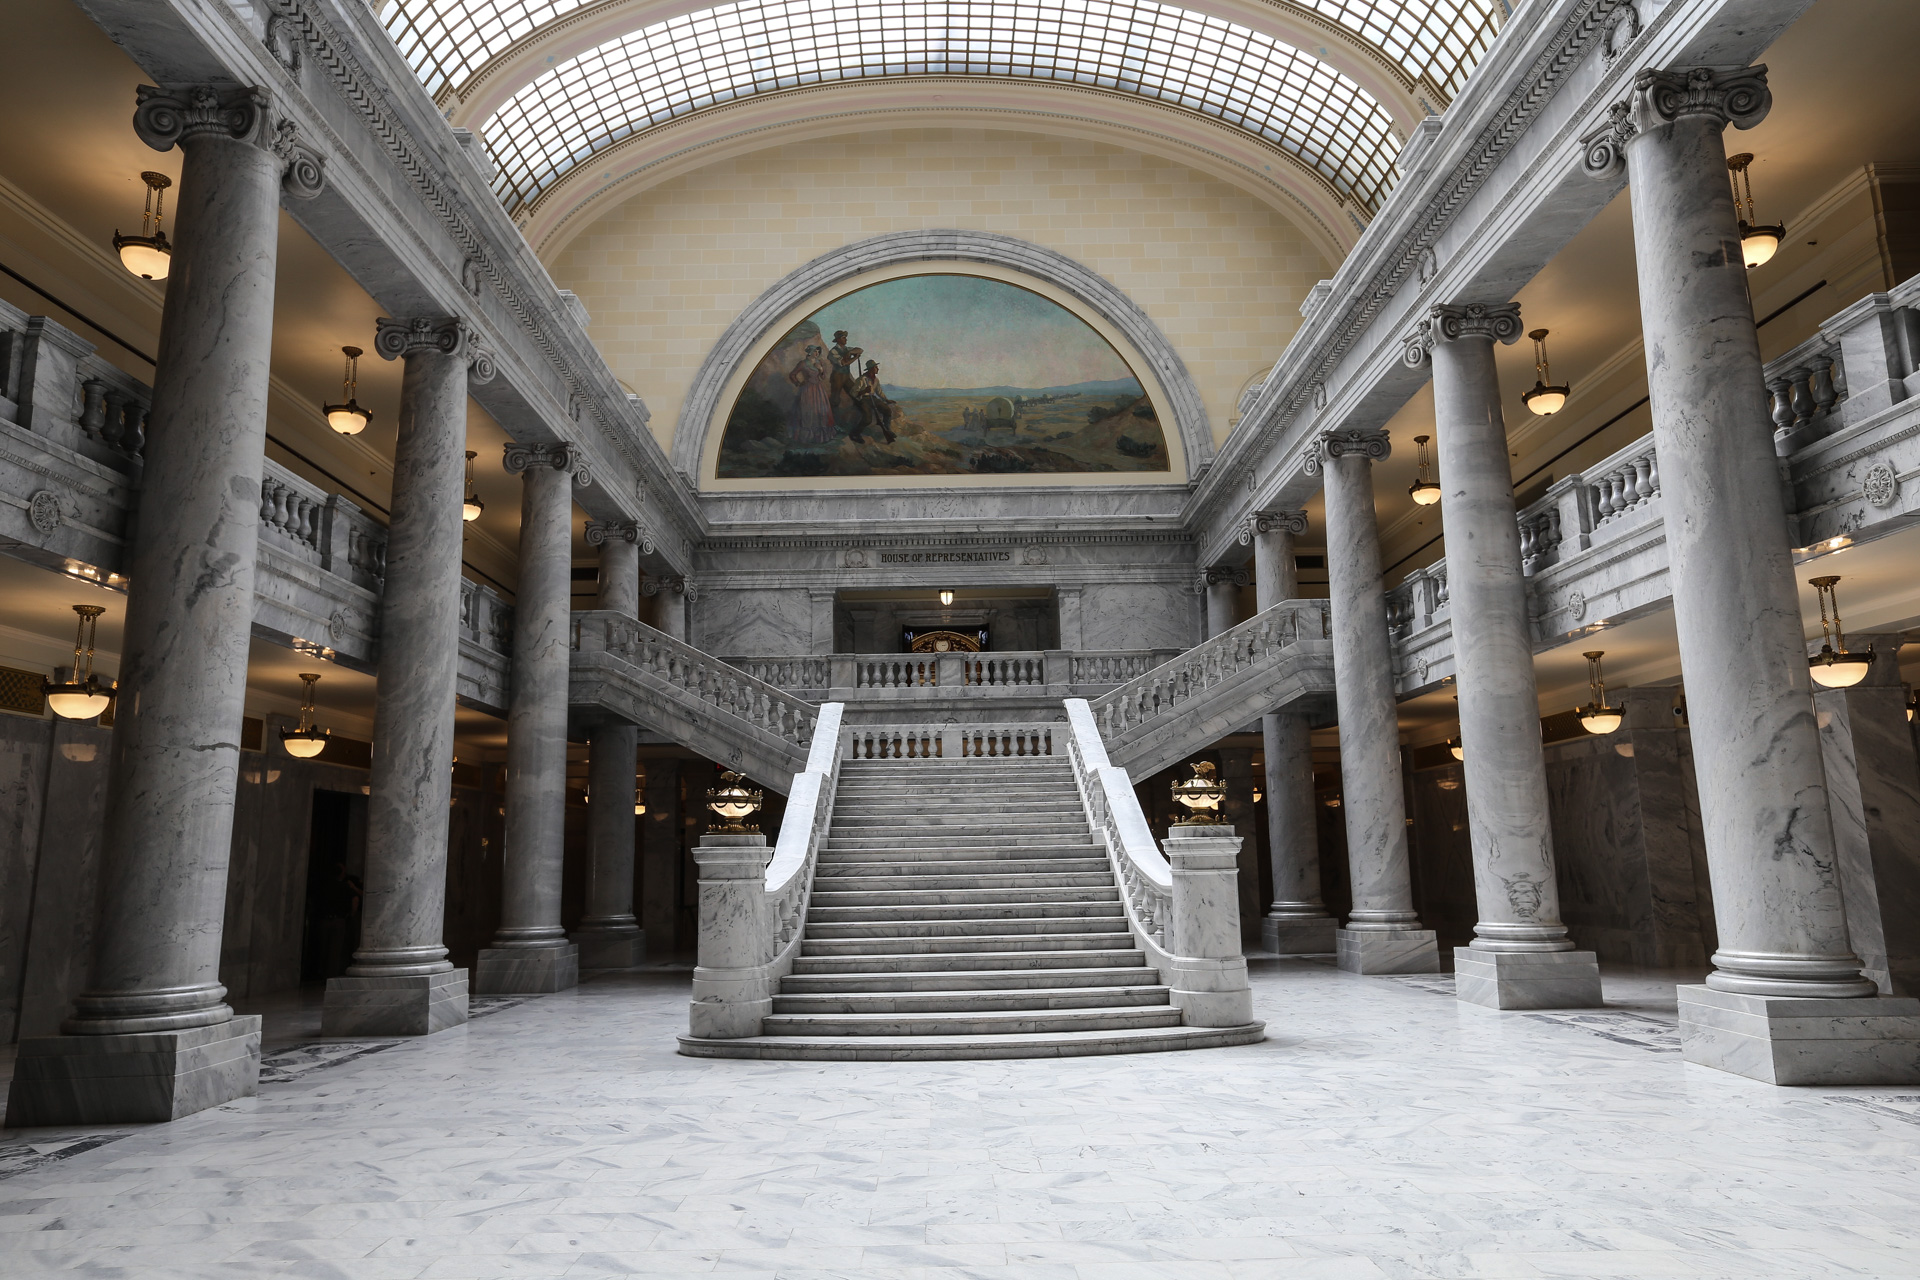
(1298, 937)
(1785, 1040)
(410, 1005)
(1402, 951)
(146, 1078)
(1527, 979)
(600, 951)
(526, 971)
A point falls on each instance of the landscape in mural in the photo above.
(940, 375)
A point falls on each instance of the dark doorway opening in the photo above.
(336, 855)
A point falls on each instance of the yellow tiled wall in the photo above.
(1220, 272)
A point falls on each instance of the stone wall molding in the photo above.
(751, 325)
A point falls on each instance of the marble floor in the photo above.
(1383, 1130)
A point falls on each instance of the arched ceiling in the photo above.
(554, 86)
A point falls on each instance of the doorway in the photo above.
(336, 858)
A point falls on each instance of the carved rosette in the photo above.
(560, 456)
(1737, 96)
(601, 532)
(1450, 323)
(164, 118)
(1293, 522)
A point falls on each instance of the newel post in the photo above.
(1209, 977)
(730, 989)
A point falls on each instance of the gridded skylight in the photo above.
(1440, 39)
(446, 41)
(1186, 59)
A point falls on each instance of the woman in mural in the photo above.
(813, 376)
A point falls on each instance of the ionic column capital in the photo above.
(1451, 322)
(394, 339)
(164, 118)
(668, 584)
(1736, 96)
(557, 456)
(1225, 575)
(601, 532)
(1260, 522)
(1371, 445)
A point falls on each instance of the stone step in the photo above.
(932, 877)
(955, 944)
(924, 912)
(1061, 1044)
(970, 979)
(878, 788)
(972, 838)
(1001, 822)
(1123, 955)
(1058, 925)
(984, 1022)
(977, 764)
(914, 892)
(974, 1001)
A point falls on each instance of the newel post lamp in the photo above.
(309, 740)
(733, 802)
(81, 696)
(1833, 667)
(1200, 795)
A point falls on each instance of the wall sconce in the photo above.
(1831, 667)
(148, 255)
(1759, 241)
(1423, 490)
(1597, 716)
(1544, 399)
(82, 696)
(1201, 795)
(309, 740)
(733, 803)
(471, 506)
(348, 419)
(946, 599)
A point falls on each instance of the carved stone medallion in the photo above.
(1880, 485)
(43, 508)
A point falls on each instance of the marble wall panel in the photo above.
(1441, 853)
(1594, 801)
(1139, 615)
(24, 747)
(60, 939)
(753, 622)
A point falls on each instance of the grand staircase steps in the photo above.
(961, 909)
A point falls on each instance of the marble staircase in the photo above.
(961, 909)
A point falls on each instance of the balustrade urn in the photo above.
(530, 951)
(1777, 1004)
(1383, 933)
(166, 1043)
(400, 981)
(1489, 550)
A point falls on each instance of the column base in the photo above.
(1790, 1040)
(1400, 951)
(1527, 979)
(625, 949)
(1291, 936)
(403, 1005)
(143, 1078)
(526, 971)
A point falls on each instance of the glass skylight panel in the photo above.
(1192, 60)
(446, 41)
(1441, 39)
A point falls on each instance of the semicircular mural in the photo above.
(940, 375)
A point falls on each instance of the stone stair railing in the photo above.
(751, 926)
(691, 697)
(1048, 674)
(1211, 989)
(929, 741)
(1275, 658)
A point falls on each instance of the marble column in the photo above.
(1786, 1001)
(1223, 583)
(669, 595)
(1383, 934)
(1873, 775)
(661, 857)
(530, 952)
(1521, 957)
(400, 981)
(609, 936)
(1297, 923)
(152, 1037)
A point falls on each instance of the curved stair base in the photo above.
(1058, 1044)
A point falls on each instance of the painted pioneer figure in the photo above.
(878, 410)
(844, 358)
(813, 376)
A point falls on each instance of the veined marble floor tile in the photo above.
(1384, 1131)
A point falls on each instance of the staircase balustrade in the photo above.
(948, 741)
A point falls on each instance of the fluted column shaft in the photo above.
(1373, 805)
(411, 783)
(1763, 797)
(1293, 845)
(183, 668)
(537, 714)
(1506, 773)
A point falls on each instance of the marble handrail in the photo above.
(1114, 813)
(804, 826)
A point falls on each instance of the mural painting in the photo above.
(940, 375)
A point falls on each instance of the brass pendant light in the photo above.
(1759, 241)
(309, 740)
(1833, 667)
(348, 419)
(471, 506)
(1545, 399)
(81, 696)
(148, 255)
(1424, 489)
(1597, 717)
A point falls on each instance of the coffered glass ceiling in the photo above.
(1187, 59)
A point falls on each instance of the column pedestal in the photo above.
(414, 1004)
(527, 971)
(147, 1077)
(1527, 979)
(611, 948)
(1789, 1040)
(1290, 937)
(1386, 951)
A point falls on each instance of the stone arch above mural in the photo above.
(702, 414)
